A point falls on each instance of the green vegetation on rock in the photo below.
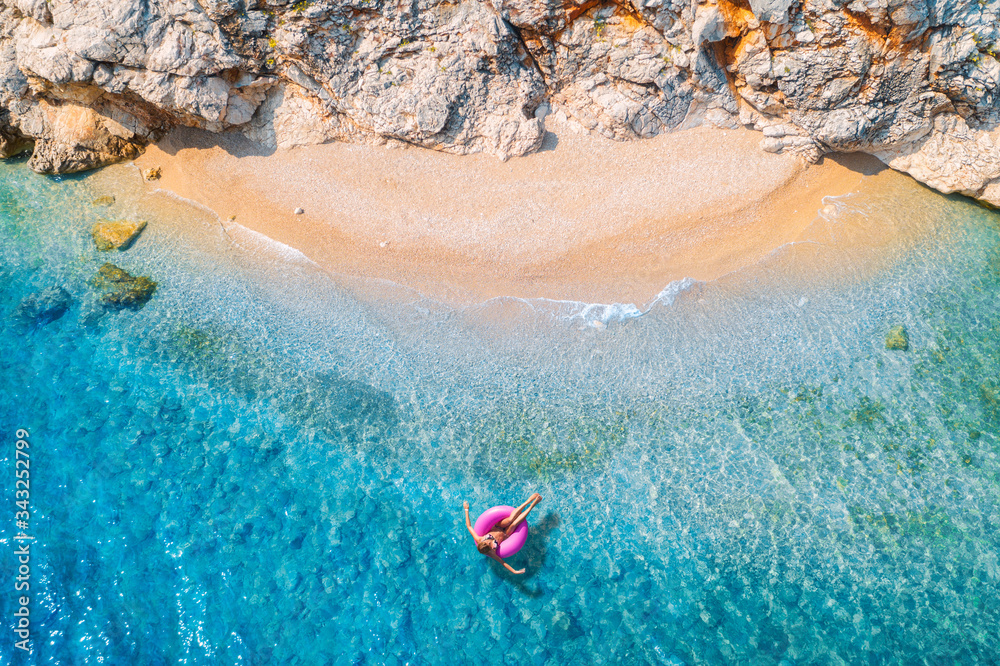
(868, 412)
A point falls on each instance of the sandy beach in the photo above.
(585, 218)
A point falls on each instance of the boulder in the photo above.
(116, 235)
(121, 289)
(44, 307)
(72, 138)
(897, 339)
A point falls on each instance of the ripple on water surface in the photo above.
(260, 466)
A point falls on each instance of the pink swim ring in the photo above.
(492, 516)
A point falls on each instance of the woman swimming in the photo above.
(488, 543)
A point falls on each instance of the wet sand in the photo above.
(584, 219)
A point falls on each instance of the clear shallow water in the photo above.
(262, 467)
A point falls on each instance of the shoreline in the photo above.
(585, 219)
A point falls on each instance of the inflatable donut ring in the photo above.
(494, 515)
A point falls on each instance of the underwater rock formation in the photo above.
(897, 339)
(43, 307)
(121, 289)
(913, 82)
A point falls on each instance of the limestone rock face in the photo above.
(12, 142)
(772, 11)
(116, 235)
(440, 75)
(914, 82)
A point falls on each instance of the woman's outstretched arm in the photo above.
(468, 524)
(506, 566)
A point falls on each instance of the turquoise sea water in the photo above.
(265, 466)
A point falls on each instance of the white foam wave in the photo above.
(600, 315)
(597, 315)
(253, 242)
(670, 293)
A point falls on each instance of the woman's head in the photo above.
(486, 544)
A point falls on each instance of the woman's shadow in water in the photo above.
(534, 550)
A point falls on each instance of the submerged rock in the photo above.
(44, 307)
(897, 339)
(122, 289)
(119, 234)
(103, 201)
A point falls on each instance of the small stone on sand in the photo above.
(299, 211)
(152, 174)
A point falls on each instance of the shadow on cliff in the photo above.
(534, 551)
(233, 143)
(862, 163)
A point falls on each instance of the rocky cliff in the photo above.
(915, 82)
